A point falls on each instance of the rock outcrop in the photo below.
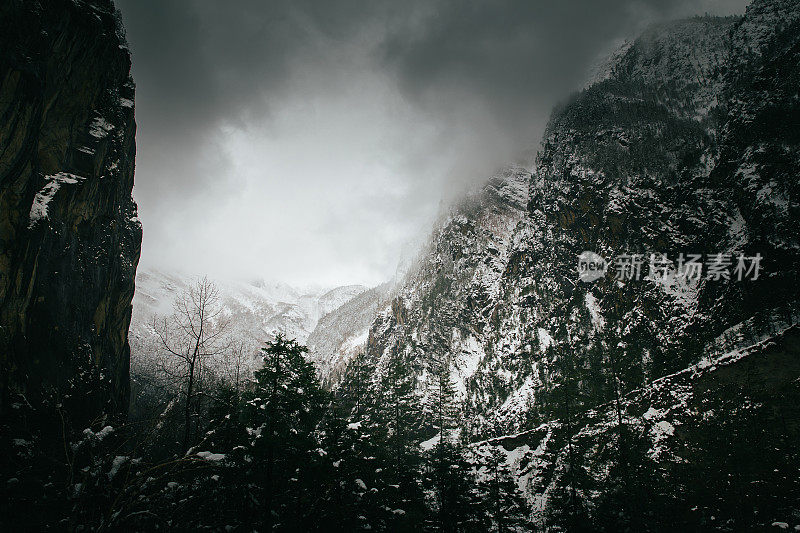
(69, 232)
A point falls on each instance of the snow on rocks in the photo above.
(40, 207)
(100, 127)
(594, 311)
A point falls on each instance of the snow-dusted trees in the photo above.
(441, 405)
(398, 414)
(355, 391)
(282, 413)
(503, 505)
(194, 333)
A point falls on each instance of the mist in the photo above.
(313, 142)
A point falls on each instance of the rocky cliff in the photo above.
(676, 148)
(69, 232)
(684, 144)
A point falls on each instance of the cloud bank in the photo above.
(309, 141)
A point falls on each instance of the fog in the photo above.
(313, 142)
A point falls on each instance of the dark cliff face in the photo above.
(69, 232)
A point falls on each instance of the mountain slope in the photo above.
(343, 332)
(684, 145)
(684, 436)
(255, 311)
(631, 165)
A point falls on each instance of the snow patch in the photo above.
(39, 208)
(430, 443)
(663, 429)
(100, 128)
(594, 311)
(208, 456)
(545, 339)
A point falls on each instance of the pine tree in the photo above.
(441, 405)
(448, 475)
(448, 478)
(397, 413)
(503, 503)
(566, 401)
(281, 414)
(354, 393)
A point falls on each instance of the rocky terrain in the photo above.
(682, 145)
(639, 162)
(69, 232)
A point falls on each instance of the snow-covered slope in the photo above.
(716, 434)
(256, 310)
(344, 332)
(447, 301)
(676, 148)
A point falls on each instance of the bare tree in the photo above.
(236, 368)
(193, 334)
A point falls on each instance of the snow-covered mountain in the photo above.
(344, 332)
(682, 145)
(257, 309)
(620, 392)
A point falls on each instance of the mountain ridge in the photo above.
(676, 149)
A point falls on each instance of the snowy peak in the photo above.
(256, 308)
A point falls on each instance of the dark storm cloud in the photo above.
(518, 56)
(202, 63)
(209, 60)
(241, 104)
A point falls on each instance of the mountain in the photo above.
(69, 232)
(684, 144)
(606, 338)
(633, 164)
(344, 332)
(255, 310)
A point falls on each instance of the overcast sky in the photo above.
(311, 141)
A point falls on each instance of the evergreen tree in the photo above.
(448, 478)
(566, 402)
(502, 502)
(396, 419)
(354, 394)
(281, 414)
(441, 406)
